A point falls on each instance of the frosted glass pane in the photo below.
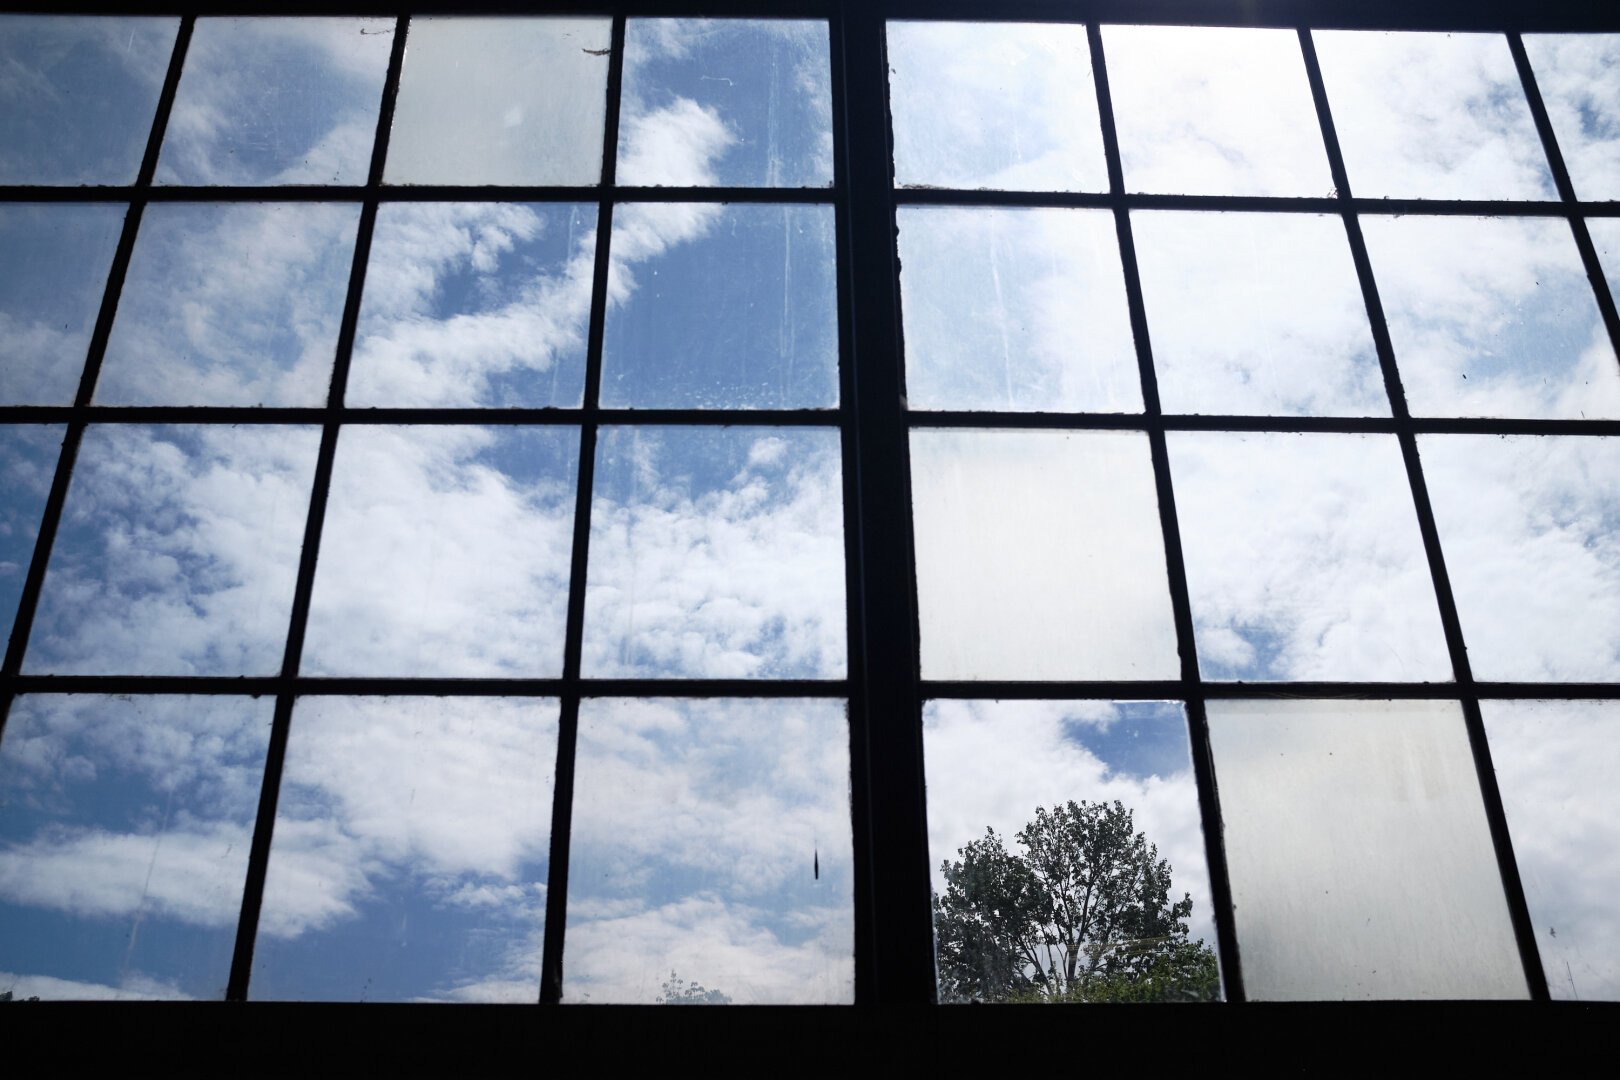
(1360, 859)
(27, 465)
(1579, 79)
(1039, 556)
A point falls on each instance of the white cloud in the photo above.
(135, 987)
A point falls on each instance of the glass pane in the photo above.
(1576, 76)
(716, 552)
(1556, 762)
(994, 106)
(78, 96)
(1104, 834)
(1214, 111)
(475, 304)
(1432, 116)
(1304, 559)
(410, 852)
(1015, 310)
(27, 465)
(1360, 859)
(721, 307)
(710, 861)
(53, 270)
(1493, 317)
(177, 552)
(125, 825)
(738, 103)
(501, 101)
(277, 101)
(1606, 238)
(231, 304)
(1530, 526)
(1256, 314)
(1039, 556)
(446, 552)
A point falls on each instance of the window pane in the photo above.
(501, 101)
(177, 552)
(231, 304)
(739, 103)
(1432, 116)
(1606, 238)
(410, 852)
(446, 552)
(1039, 556)
(125, 825)
(994, 106)
(1576, 76)
(1256, 314)
(716, 552)
(1493, 317)
(721, 307)
(27, 464)
(1111, 802)
(1015, 310)
(711, 861)
(277, 101)
(1214, 111)
(1304, 559)
(77, 102)
(1360, 859)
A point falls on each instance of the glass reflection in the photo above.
(445, 553)
(501, 101)
(78, 96)
(1113, 773)
(231, 304)
(277, 101)
(1359, 854)
(1015, 310)
(177, 552)
(1530, 526)
(410, 852)
(757, 91)
(1576, 76)
(1214, 111)
(124, 832)
(1039, 556)
(711, 860)
(27, 465)
(716, 552)
(1256, 314)
(994, 106)
(1493, 317)
(1304, 559)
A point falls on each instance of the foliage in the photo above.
(677, 991)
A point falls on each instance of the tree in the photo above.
(678, 991)
(1083, 913)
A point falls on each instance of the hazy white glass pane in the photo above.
(77, 97)
(53, 270)
(733, 102)
(277, 101)
(27, 464)
(231, 304)
(1555, 763)
(716, 552)
(711, 861)
(1359, 854)
(177, 552)
(1015, 310)
(994, 106)
(1606, 238)
(445, 552)
(1304, 559)
(475, 304)
(1493, 317)
(1214, 111)
(1053, 780)
(1256, 314)
(1039, 556)
(1432, 116)
(501, 101)
(1579, 79)
(125, 825)
(410, 852)
(722, 307)
(1530, 527)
